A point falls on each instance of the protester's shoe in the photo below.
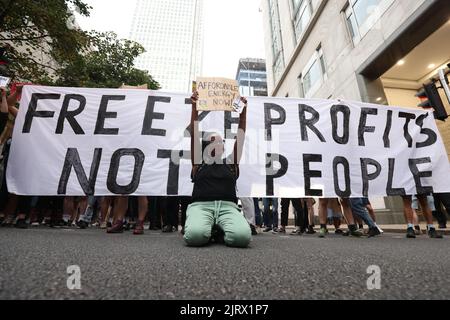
(167, 229)
(311, 230)
(267, 229)
(35, 224)
(417, 230)
(338, 231)
(323, 232)
(442, 226)
(295, 231)
(103, 225)
(126, 226)
(252, 228)
(279, 230)
(432, 233)
(379, 229)
(116, 228)
(354, 233)
(8, 222)
(410, 233)
(21, 224)
(138, 228)
(154, 228)
(82, 224)
(57, 224)
(373, 232)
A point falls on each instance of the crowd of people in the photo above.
(213, 213)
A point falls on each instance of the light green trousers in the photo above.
(202, 216)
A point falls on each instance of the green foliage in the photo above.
(109, 63)
(39, 36)
(45, 46)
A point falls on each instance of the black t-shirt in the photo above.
(3, 121)
(215, 182)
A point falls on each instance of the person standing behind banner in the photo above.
(119, 211)
(121, 202)
(441, 201)
(358, 206)
(214, 199)
(426, 210)
(270, 213)
(299, 220)
(7, 200)
(323, 217)
(3, 109)
(248, 208)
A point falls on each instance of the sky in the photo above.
(233, 30)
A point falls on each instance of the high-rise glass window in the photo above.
(302, 16)
(361, 16)
(277, 45)
(314, 74)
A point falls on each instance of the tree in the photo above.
(39, 36)
(109, 63)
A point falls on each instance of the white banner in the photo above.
(79, 141)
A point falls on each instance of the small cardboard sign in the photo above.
(217, 94)
(4, 81)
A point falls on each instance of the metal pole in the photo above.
(444, 83)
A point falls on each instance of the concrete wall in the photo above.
(328, 28)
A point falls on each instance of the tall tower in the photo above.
(171, 32)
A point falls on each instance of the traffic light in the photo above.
(429, 95)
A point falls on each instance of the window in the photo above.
(361, 16)
(314, 74)
(277, 45)
(302, 16)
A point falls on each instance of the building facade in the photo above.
(252, 77)
(171, 32)
(377, 51)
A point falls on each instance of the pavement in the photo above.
(34, 262)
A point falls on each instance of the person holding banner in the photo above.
(348, 214)
(214, 199)
(3, 109)
(409, 215)
(4, 102)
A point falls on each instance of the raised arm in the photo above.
(196, 151)
(4, 101)
(240, 138)
(12, 100)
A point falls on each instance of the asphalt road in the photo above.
(33, 265)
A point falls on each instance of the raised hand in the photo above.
(194, 97)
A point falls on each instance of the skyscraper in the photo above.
(252, 78)
(171, 32)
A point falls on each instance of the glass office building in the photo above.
(171, 31)
(252, 77)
